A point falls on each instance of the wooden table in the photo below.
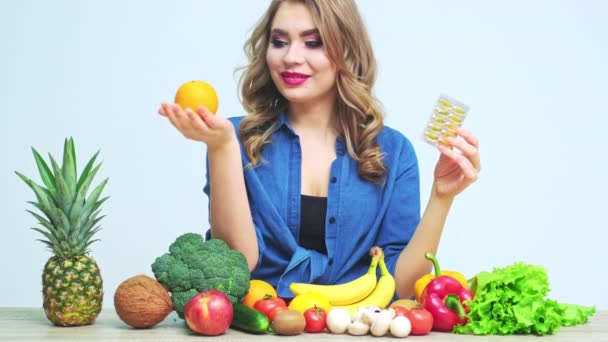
(30, 324)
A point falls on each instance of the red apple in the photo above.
(209, 313)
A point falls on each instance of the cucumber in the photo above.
(249, 320)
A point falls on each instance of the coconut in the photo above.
(142, 302)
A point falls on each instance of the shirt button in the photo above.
(330, 261)
(332, 220)
(334, 179)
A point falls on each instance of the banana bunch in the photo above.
(363, 291)
(381, 295)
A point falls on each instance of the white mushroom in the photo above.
(370, 314)
(381, 325)
(357, 316)
(338, 320)
(358, 328)
(400, 326)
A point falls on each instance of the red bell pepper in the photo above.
(444, 297)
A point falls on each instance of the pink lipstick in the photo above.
(294, 78)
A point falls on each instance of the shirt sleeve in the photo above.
(403, 214)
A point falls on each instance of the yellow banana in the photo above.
(381, 296)
(342, 294)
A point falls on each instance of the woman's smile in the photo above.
(294, 78)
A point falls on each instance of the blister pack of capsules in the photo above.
(448, 114)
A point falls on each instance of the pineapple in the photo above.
(71, 281)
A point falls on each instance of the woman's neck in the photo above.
(317, 120)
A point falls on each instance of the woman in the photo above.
(311, 179)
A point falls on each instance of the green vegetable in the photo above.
(194, 265)
(249, 320)
(511, 300)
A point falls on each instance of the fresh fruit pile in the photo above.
(356, 307)
(364, 291)
(208, 284)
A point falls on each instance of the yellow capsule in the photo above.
(431, 136)
(451, 127)
(445, 103)
(438, 120)
(449, 134)
(444, 142)
(455, 118)
(434, 128)
(459, 110)
(441, 111)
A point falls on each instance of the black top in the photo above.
(312, 223)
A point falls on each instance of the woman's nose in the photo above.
(293, 55)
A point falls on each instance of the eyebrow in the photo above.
(302, 34)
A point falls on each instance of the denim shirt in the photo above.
(360, 214)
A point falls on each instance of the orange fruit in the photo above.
(258, 289)
(194, 94)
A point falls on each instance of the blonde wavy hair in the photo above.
(358, 114)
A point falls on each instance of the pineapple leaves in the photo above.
(50, 246)
(87, 227)
(91, 203)
(89, 214)
(69, 165)
(83, 187)
(84, 176)
(52, 240)
(45, 172)
(50, 214)
(64, 198)
(89, 242)
(48, 225)
(42, 196)
(66, 213)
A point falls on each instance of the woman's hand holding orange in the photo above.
(213, 130)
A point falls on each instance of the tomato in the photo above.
(272, 314)
(399, 310)
(421, 320)
(267, 304)
(258, 289)
(315, 320)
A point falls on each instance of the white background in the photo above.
(533, 72)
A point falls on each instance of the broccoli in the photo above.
(194, 265)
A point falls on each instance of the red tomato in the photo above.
(421, 320)
(275, 311)
(267, 304)
(400, 310)
(315, 320)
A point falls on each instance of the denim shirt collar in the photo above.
(284, 122)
